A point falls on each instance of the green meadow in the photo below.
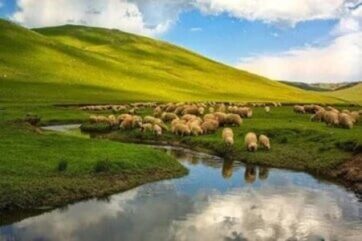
(43, 68)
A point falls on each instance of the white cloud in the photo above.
(195, 29)
(135, 16)
(274, 11)
(339, 61)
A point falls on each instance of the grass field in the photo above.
(75, 64)
(30, 172)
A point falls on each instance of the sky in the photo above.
(294, 40)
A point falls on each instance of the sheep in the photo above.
(195, 129)
(121, 117)
(264, 141)
(245, 112)
(168, 116)
(267, 109)
(157, 130)
(345, 120)
(136, 121)
(211, 110)
(209, 117)
(228, 136)
(331, 118)
(330, 108)
(318, 116)
(93, 119)
(251, 141)
(146, 127)
(299, 109)
(188, 117)
(157, 111)
(112, 120)
(355, 115)
(201, 110)
(127, 123)
(181, 129)
(233, 119)
(220, 117)
(149, 119)
(193, 110)
(210, 126)
(179, 110)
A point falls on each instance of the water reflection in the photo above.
(204, 206)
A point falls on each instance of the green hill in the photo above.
(82, 64)
(351, 94)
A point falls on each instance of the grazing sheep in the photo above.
(209, 117)
(345, 120)
(211, 110)
(201, 110)
(157, 111)
(136, 121)
(146, 127)
(251, 141)
(318, 116)
(228, 136)
(120, 118)
(210, 126)
(157, 130)
(245, 112)
(127, 123)
(112, 120)
(233, 119)
(149, 119)
(195, 129)
(264, 141)
(267, 109)
(193, 110)
(355, 115)
(93, 119)
(168, 116)
(299, 109)
(179, 110)
(181, 129)
(331, 118)
(220, 117)
(188, 117)
(330, 108)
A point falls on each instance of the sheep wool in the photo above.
(251, 141)
(228, 136)
(264, 142)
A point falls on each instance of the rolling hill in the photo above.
(352, 94)
(77, 64)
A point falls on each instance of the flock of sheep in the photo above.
(330, 115)
(204, 118)
(185, 119)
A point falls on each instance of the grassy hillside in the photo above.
(352, 94)
(83, 64)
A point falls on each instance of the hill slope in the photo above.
(84, 64)
(351, 94)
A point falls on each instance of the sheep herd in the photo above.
(330, 115)
(184, 119)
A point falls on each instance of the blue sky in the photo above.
(296, 40)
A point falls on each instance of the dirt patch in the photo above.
(350, 173)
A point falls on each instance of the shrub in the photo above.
(62, 165)
(102, 166)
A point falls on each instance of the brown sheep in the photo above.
(264, 141)
(127, 123)
(220, 117)
(345, 120)
(251, 141)
(193, 110)
(210, 126)
(228, 136)
(168, 116)
(195, 129)
(181, 129)
(233, 119)
(331, 118)
(121, 117)
(146, 127)
(299, 109)
(318, 116)
(157, 130)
